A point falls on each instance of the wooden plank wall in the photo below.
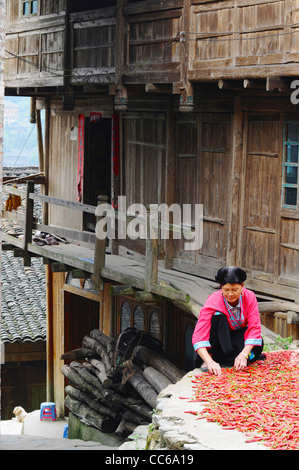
(63, 168)
(237, 37)
(145, 149)
(36, 46)
(259, 220)
(152, 48)
(93, 36)
(203, 168)
(63, 156)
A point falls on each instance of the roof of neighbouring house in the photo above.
(23, 291)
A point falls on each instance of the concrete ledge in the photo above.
(79, 430)
(176, 430)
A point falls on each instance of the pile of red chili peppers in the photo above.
(261, 401)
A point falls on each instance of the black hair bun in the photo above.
(230, 275)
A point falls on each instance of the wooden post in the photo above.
(40, 141)
(151, 251)
(170, 247)
(100, 249)
(28, 223)
(45, 188)
(236, 181)
(49, 343)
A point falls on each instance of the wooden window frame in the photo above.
(286, 164)
(30, 4)
(147, 310)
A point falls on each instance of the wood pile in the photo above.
(113, 383)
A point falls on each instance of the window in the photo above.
(125, 316)
(155, 327)
(138, 319)
(142, 316)
(290, 198)
(30, 7)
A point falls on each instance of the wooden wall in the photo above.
(63, 155)
(93, 36)
(23, 377)
(144, 150)
(36, 45)
(237, 38)
(152, 47)
(175, 42)
(235, 171)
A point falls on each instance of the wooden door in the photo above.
(260, 202)
(203, 175)
(97, 164)
(145, 148)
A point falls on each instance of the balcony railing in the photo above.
(90, 258)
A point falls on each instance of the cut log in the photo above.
(104, 340)
(156, 379)
(116, 397)
(77, 354)
(100, 352)
(134, 418)
(74, 378)
(89, 416)
(152, 358)
(113, 400)
(125, 428)
(145, 390)
(143, 410)
(95, 404)
(101, 372)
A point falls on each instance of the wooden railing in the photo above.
(98, 245)
(28, 223)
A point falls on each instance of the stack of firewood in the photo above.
(113, 383)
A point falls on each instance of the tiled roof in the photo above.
(23, 304)
(23, 291)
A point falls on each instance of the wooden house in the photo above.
(169, 101)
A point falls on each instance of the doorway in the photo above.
(97, 164)
(82, 315)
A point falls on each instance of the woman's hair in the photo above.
(230, 275)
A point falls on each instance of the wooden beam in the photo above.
(100, 248)
(229, 84)
(28, 223)
(80, 274)
(40, 140)
(38, 178)
(121, 42)
(151, 88)
(277, 83)
(151, 248)
(122, 290)
(7, 247)
(57, 267)
(255, 84)
(187, 94)
(236, 180)
(142, 296)
(159, 289)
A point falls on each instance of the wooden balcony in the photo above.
(174, 43)
(243, 39)
(85, 255)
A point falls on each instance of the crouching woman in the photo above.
(228, 330)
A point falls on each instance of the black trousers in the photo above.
(226, 344)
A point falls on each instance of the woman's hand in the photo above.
(240, 362)
(214, 368)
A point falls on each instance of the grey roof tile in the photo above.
(23, 291)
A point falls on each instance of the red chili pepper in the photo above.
(263, 399)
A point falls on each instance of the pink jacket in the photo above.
(249, 317)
